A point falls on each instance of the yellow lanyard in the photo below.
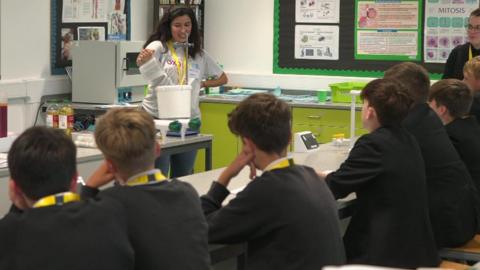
(57, 199)
(147, 178)
(282, 164)
(182, 70)
(470, 55)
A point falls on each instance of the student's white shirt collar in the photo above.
(153, 171)
(275, 162)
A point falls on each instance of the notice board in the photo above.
(73, 20)
(286, 61)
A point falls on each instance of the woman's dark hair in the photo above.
(163, 31)
(475, 13)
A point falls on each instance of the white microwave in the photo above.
(106, 72)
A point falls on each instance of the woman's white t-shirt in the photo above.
(199, 68)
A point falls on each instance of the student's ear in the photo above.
(111, 166)
(17, 196)
(73, 182)
(248, 145)
(157, 149)
(371, 114)
(13, 189)
(442, 110)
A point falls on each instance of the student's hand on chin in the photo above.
(101, 176)
(243, 159)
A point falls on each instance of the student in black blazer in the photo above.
(48, 227)
(287, 215)
(390, 226)
(451, 100)
(165, 221)
(449, 185)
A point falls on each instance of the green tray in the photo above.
(341, 91)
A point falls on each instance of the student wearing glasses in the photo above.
(462, 53)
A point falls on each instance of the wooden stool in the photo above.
(469, 252)
(453, 265)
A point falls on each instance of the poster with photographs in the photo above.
(117, 24)
(91, 33)
(74, 20)
(67, 43)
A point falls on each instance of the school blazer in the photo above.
(288, 217)
(391, 226)
(82, 235)
(465, 136)
(451, 196)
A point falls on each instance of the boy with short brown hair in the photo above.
(287, 215)
(453, 219)
(48, 227)
(390, 226)
(451, 100)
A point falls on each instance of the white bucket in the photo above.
(174, 101)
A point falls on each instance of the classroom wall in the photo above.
(239, 34)
(25, 55)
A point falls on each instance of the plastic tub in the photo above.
(341, 91)
(174, 101)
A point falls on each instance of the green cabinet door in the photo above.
(324, 123)
(224, 145)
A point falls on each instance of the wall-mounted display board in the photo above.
(365, 37)
(73, 20)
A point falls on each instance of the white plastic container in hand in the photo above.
(152, 69)
(174, 101)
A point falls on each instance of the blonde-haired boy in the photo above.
(471, 76)
(127, 138)
(166, 223)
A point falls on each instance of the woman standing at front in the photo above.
(462, 53)
(175, 27)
